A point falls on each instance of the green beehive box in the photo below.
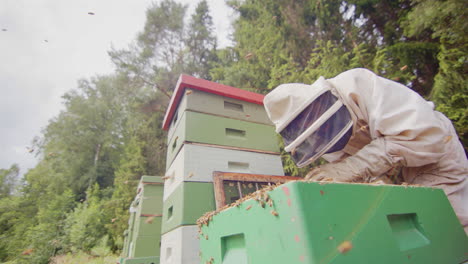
(209, 103)
(126, 243)
(186, 204)
(143, 260)
(146, 246)
(215, 130)
(151, 195)
(129, 233)
(337, 223)
(148, 225)
(144, 232)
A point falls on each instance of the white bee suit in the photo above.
(393, 127)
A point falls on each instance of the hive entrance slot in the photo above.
(174, 119)
(233, 249)
(174, 145)
(168, 253)
(238, 166)
(233, 106)
(235, 133)
(407, 231)
(169, 212)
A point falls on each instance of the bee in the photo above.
(345, 247)
(149, 220)
(248, 55)
(28, 251)
(248, 207)
(273, 212)
(166, 178)
(293, 152)
(270, 202)
(188, 92)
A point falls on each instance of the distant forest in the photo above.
(92, 154)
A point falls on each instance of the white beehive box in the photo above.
(197, 163)
(180, 245)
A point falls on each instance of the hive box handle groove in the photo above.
(407, 231)
(233, 106)
(238, 166)
(231, 132)
(233, 249)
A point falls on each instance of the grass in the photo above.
(83, 258)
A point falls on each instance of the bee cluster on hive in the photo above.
(261, 196)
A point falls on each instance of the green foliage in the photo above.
(444, 22)
(84, 258)
(130, 169)
(85, 225)
(451, 89)
(200, 42)
(8, 180)
(83, 140)
(46, 237)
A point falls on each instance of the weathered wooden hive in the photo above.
(143, 236)
(211, 127)
(333, 223)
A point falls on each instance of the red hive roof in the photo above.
(186, 81)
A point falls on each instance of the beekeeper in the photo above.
(367, 126)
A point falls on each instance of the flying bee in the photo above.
(149, 220)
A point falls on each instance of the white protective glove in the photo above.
(368, 164)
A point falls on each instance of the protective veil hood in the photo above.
(310, 118)
(288, 100)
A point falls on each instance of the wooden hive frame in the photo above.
(257, 180)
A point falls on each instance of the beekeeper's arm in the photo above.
(403, 126)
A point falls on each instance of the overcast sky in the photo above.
(47, 45)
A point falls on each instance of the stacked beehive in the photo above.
(143, 236)
(211, 127)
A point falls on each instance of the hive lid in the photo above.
(186, 81)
